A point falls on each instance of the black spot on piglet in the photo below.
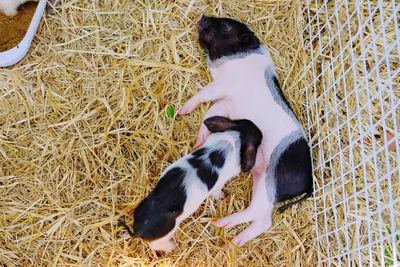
(294, 171)
(208, 175)
(206, 166)
(199, 152)
(217, 158)
(196, 162)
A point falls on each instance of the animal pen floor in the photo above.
(84, 134)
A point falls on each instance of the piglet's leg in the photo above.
(165, 243)
(211, 92)
(262, 202)
(259, 211)
(259, 202)
(218, 109)
(258, 207)
(256, 228)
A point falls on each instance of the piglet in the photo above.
(185, 184)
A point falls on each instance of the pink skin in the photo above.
(241, 92)
(218, 108)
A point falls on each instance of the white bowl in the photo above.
(15, 54)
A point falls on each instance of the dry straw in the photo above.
(84, 134)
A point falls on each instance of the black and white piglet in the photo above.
(245, 86)
(186, 183)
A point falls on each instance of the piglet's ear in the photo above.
(245, 38)
(249, 40)
(218, 124)
(248, 154)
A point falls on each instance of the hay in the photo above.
(84, 134)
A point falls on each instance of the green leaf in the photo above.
(170, 112)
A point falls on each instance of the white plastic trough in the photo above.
(15, 54)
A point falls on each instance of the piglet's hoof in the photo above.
(164, 246)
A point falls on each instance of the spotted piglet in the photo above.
(185, 184)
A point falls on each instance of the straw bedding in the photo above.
(84, 134)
